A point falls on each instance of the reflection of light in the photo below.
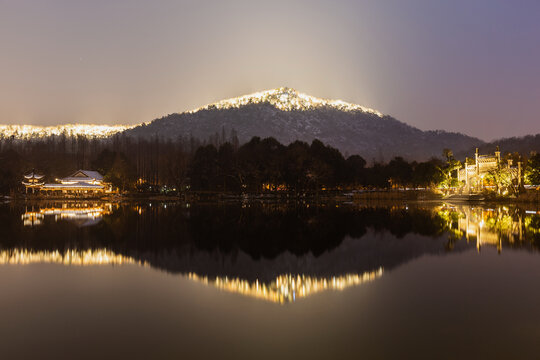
(284, 288)
(31, 218)
(287, 288)
(70, 257)
(491, 226)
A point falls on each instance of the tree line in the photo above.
(220, 164)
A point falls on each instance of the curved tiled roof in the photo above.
(81, 175)
(79, 185)
(33, 175)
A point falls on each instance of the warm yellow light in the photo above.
(69, 257)
(32, 218)
(88, 130)
(287, 288)
(284, 288)
(286, 99)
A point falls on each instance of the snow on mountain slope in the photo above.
(288, 115)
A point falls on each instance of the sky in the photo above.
(471, 66)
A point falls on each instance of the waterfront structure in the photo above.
(33, 181)
(80, 183)
(474, 176)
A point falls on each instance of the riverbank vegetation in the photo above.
(223, 165)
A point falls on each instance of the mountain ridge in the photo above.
(524, 145)
(289, 115)
(287, 99)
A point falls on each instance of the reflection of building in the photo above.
(81, 214)
(32, 218)
(488, 226)
(473, 175)
(80, 183)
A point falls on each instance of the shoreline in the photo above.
(369, 196)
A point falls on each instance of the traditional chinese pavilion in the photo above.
(33, 181)
(81, 182)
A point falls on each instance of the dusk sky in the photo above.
(461, 65)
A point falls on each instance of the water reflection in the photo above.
(287, 288)
(70, 257)
(82, 214)
(275, 252)
(284, 288)
(493, 225)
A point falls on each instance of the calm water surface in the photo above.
(151, 281)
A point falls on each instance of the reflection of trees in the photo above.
(162, 233)
(261, 230)
(247, 241)
(493, 226)
(266, 230)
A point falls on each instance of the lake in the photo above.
(85, 280)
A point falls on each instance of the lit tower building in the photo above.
(80, 183)
(33, 181)
(472, 175)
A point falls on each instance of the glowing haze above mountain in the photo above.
(283, 98)
(453, 65)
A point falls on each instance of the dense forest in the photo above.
(217, 164)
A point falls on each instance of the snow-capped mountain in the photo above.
(288, 115)
(30, 132)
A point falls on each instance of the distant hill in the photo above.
(288, 115)
(35, 132)
(523, 145)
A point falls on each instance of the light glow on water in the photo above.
(86, 212)
(283, 289)
(69, 257)
(288, 288)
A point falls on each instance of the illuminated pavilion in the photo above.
(33, 181)
(80, 183)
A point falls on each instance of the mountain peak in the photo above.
(288, 115)
(287, 99)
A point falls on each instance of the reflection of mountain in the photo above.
(253, 241)
(68, 257)
(263, 250)
(284, 288)
(351, 256)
